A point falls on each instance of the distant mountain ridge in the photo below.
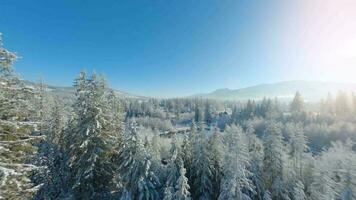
(68, 92)
(312, 91)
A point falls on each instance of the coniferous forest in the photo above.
(99, 144)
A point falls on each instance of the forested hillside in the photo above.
(102, 145)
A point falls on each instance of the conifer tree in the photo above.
(201, 168)
(235, 182)
(182, 186)
(92, 140)
(298, 191)
(255, 150)
(17, 148)
(297, 104)
(172, 169)
(208, 116)
(216, 149)
(187, 151)
(273, 161)
(198, 113)
(136, 176)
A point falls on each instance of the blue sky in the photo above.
(179, 47)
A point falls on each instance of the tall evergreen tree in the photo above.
(172, 169)
(92, 139)
(17, 148)
(274, 161)
(297, 105)
(198, 113)
(255, 151)
(216, 149)
(182, 186)
(235, 182)
(137, 178)
(208, 115)
(201, 168)
(187, 150)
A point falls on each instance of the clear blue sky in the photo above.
(178, 47)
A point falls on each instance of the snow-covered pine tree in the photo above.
(267, 195)
(297, 161)
(50, 153)
(148, 181)
(56, 122)
(322, 187)
(347, 171)
(297, 105)
(137, 178)
(181, 186)
(216, 149)
(349, 182)
(92, 140)
(16, 140)
(298, 191)
(167, 193)
(235, 183)
(154, 150)
(115, 111)
(187, 150)
(334, 175)
(255, 151)
(298, 147)
(273, 161)
(198, 112)
(208, 113)
(201, 167)
(172, 169)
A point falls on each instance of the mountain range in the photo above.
(312, 91)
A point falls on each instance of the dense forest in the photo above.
(100, 145)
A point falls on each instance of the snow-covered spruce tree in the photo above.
(334, 176)
(50, 153)
(182, 186)
(56, 122)
(235, 183)
(298, 147)
(198, 112)
(297, 162)
(92, 141)
(298, 191)
(115, 114)
(16, 140)
(172, 170)
(322, 187)
(255, 151)
(134, 168)
(349, 182)
(64, 144)
(50, 124)
(297, 105)
(153, 148)
(274, 161)
(187, 150)
(345, 167)
(201, 168)
(43, 104)
(267, 195)
(216, 149)
(208, 113)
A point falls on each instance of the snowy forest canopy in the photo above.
(100, 145)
